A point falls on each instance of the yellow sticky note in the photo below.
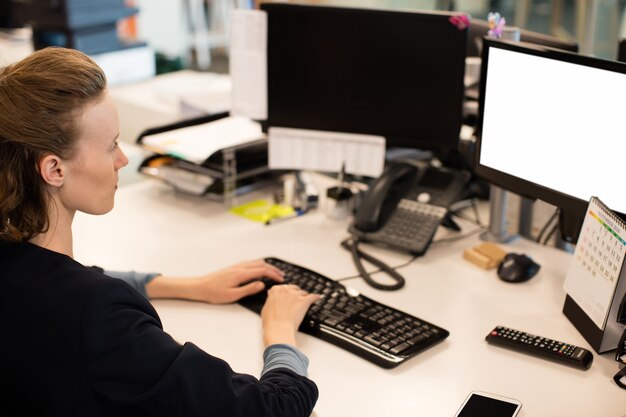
(262, 210)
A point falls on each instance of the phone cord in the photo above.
(352, 244)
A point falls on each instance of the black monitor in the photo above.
(6, 15)
(551, 127)
(479, 29)
(621, 50)
(397, 74)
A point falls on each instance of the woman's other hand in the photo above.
(220, 287)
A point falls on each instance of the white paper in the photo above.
(326, 151)
(195, 93)
(248, 63)
(197, 143)
(595, 269)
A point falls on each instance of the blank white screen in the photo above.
(557, 124)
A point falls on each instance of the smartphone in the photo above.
(484, 404)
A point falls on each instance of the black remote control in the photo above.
(535, 345)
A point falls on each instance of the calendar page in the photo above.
(593, 274)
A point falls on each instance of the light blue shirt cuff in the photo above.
(284, 356)
(137, 280)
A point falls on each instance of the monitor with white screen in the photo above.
(551, 126)
(397, 74)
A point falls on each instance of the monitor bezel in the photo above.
(525, 188)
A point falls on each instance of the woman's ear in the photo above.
(52, 170)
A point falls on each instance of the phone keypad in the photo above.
(412, 226)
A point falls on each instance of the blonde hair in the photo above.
(40, 99)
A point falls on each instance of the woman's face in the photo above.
(92, 173)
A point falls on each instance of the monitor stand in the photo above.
(526, 217)
(497, 217)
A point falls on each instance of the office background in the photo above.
(195, 33)
(595, 24)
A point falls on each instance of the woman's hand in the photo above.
(220, 287)
(283, 312)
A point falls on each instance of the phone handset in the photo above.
(383, 196)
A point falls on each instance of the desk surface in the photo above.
(154, 229)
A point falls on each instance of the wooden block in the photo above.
(486, 255)
(477, 258)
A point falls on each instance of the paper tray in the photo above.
(194, 180)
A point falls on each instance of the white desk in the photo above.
(152, 228)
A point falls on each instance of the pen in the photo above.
(297, 213)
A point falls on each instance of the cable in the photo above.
(545, 226)
(457, 210)
(460, 205)
(465, 217)
(351, 244)
(407, 263)
(549, 235)
(376, 271)
(476, 214)
(460, 237)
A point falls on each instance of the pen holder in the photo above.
(338, 203)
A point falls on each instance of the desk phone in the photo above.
(405, 205)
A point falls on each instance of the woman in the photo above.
(76, 342)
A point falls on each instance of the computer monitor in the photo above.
(480, 28)
(551, 127)
(397, 74)
(621, 50)
(6, 15)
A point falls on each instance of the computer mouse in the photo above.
(517, 267)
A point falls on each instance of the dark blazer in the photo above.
(75, 342)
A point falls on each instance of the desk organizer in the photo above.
(225, 174)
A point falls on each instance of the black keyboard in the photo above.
(371, 330)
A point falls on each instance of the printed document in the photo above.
(326, 151)
(197, 143)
